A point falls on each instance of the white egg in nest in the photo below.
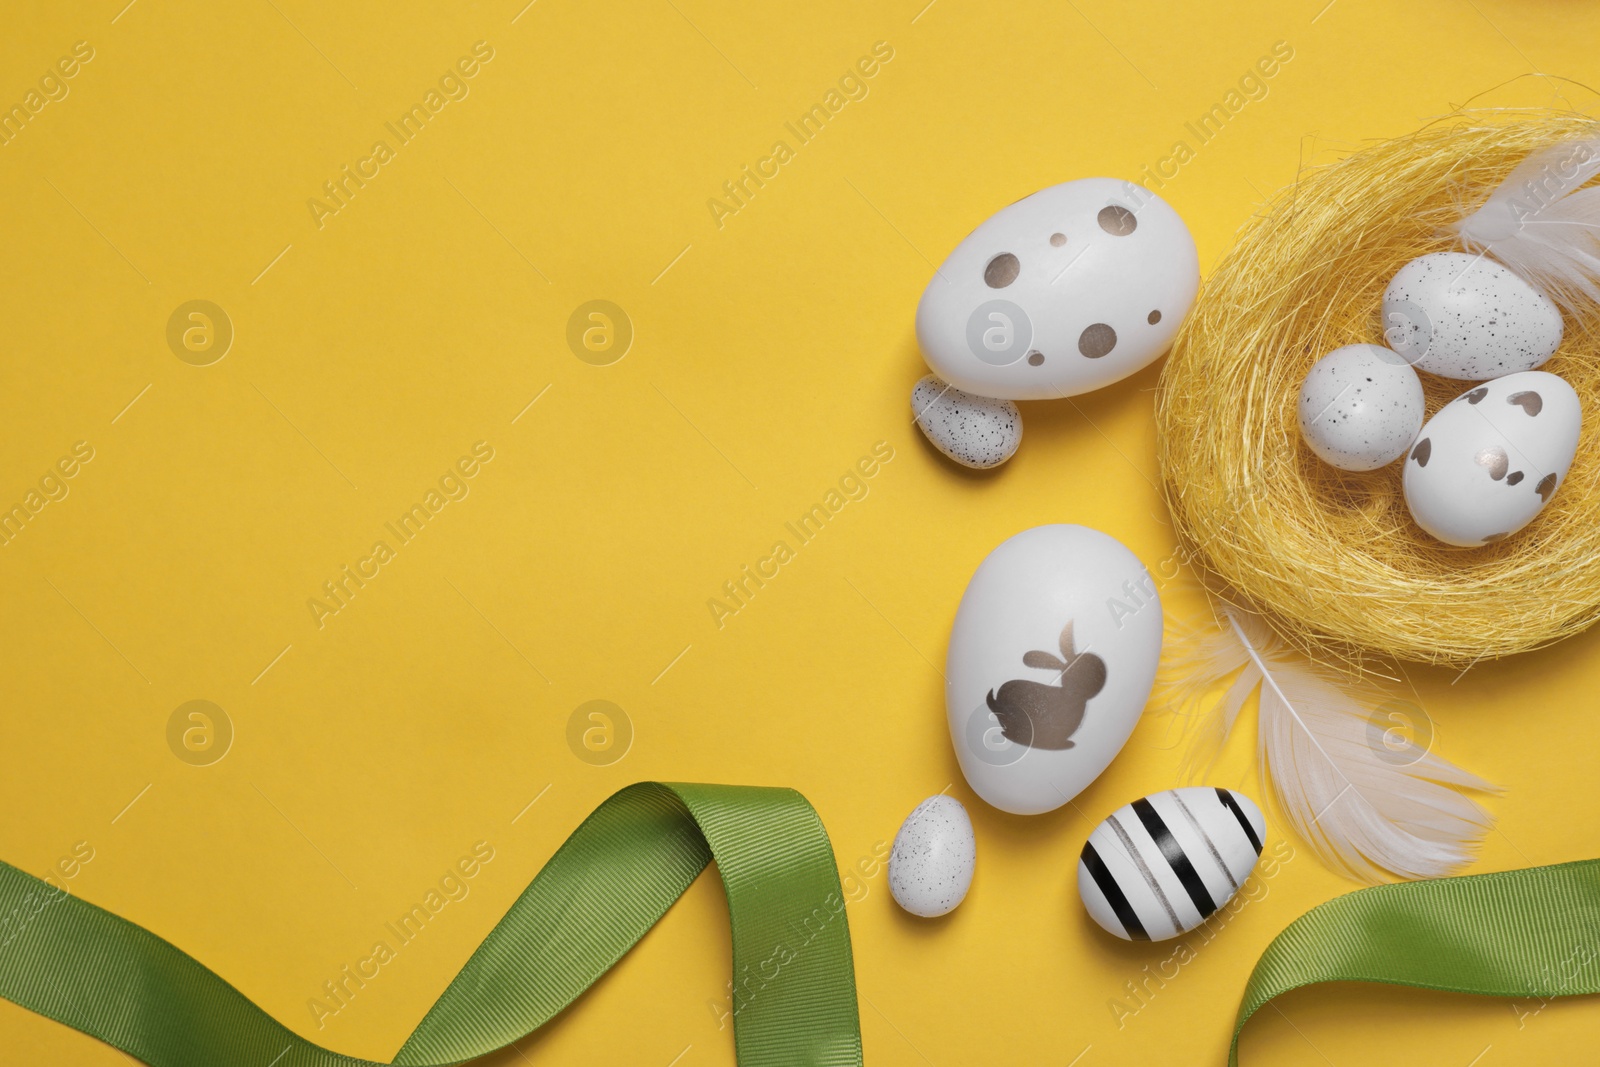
(1491, 459)
(1361, 407)
(1465, 316)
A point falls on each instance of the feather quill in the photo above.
(1543, 225)
(1370, 809)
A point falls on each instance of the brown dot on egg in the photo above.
(1528, 401)
(1153, 318)
(1001, 271)
(1494, 460)
(1035, 358)
(1117, 220)
(1058, 239)
(1097, 340)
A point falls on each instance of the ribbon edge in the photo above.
(644, 787)
(820, 829)
(1247, 1010)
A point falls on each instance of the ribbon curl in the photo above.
(794, 993)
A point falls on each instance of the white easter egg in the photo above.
(1052, 657)
(1064, 291)
(1464, 316)
(975, 431)
(1361, 407)
(1489, 460)
(1161, 866)
(930, 867)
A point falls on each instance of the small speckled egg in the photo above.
(1489, 461)
(1361, 407)
(1463, 316)
(1161, 866)
(930, 867)
(975, 431)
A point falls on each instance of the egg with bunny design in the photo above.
(1045, 715)
(1032, 728)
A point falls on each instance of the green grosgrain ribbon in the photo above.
(794, 993)
(1533, 932)
(1523, 933)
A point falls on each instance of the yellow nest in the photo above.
(1331, 557)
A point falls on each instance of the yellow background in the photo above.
(769, 355)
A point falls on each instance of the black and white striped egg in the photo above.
(1160, 867)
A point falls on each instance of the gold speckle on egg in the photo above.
(1117, 220)
(1097, 340)
(1528, 401)
(1493, 459)
(1001, 271)
(1057, 240)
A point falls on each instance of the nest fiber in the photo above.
(1333, 558)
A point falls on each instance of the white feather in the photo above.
(1367, 811)
(1543, 225)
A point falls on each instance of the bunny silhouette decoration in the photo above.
(1040, 715)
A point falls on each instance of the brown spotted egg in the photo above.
(1062, 292)
(1491, 459)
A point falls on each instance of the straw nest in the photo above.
(1332, 558)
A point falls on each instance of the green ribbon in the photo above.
(1526, 933)
(1531, 933)
(794, 995)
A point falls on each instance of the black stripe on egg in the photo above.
(1211, 845)
(1226, 796)
(1176, 857)
(1113, 893)
(1150, 872)
(1165, 863)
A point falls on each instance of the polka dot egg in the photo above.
(930, 867)
(1361, 407)
(1064, 291)
(1491, 459)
